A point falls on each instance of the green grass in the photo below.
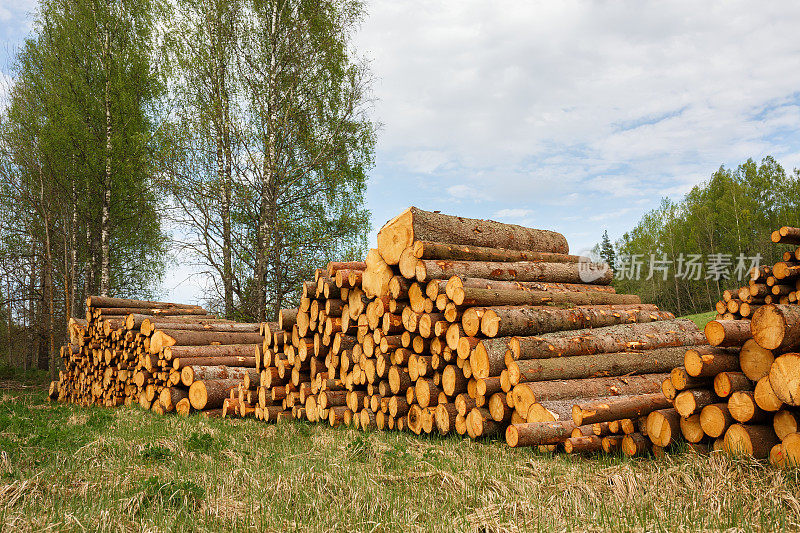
(74, 469)
(701, 319)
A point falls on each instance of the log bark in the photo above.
(755, 441)
(538, 433)
(440, 250)
(164, 338)
(726, 383)
(226, 350)
(777, 327)
(526, 394)
(583, 444)
(708, 361)
(414, 224)
(428, 269)
(190, 374)
(618, 408)
(533, 320)
(469, 297)
(106, 301)
(691, 401)
(210, 394)
(237, 361)
(586, 366)
(622, 337)
(727, 332)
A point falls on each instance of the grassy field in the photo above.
(701, 319)
(75, 469)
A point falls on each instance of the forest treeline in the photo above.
(232, 134)
(683, 254)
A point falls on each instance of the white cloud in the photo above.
(462, 192)
(513, 213)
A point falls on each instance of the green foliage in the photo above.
(607, 250)
(270, 146)
(155, 452)
(733, 213)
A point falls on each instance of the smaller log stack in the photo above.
(739, 395)
(153, 353)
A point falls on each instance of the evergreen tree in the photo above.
(607, 250)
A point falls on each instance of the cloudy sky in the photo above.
(575, 116)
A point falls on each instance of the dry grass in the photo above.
(66, 468)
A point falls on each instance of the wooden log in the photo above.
(190, 374)
(428, 269)
(777, 327)
(446, 417)
(414, 224)
(238, 361)
(166, 338)
(708, 361)
(226, 350)
(481, 424)
(534, 320)
(755, 361)
(752, 440)
(583, 444)
(715, 419)
(726, 383)
(456, 283)
(743, 408)
(663, 426)
(727, 332)
(106, 301)
(538, 433)
(765, 397)
(784, 377)
(786, 235)
(439, 250)
(617, 408)
(586, 366)
(618, 338)
(785, 423)
(635, 444)
(691, 401)
(526, 394)
(470, 297)
(210, 394)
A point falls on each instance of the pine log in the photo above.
(470, 297)
(166, 338)
(743, 408)
(538, 433)
(234, 360)
(106, 301)
(726, 383)
(765, 397)
(190, 374)
(414, 224)
(583, 444)
(753, 440)
(663, 426)
(777, 327)
(526, 394)
(715, 419)
(635, 444)
(439, 250)
(755, 361)
(618, 408)
(727, 332)
(622, 337)
(210, 394)
(784, 376)
(586, 366)
(456, 283)
(170, 396)
(691, 401)
(428, 269)
(535, 320)
(708, 361)
(785, 423)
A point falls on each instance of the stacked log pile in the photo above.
(741, 393)
(451, 320)
(164, 356)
